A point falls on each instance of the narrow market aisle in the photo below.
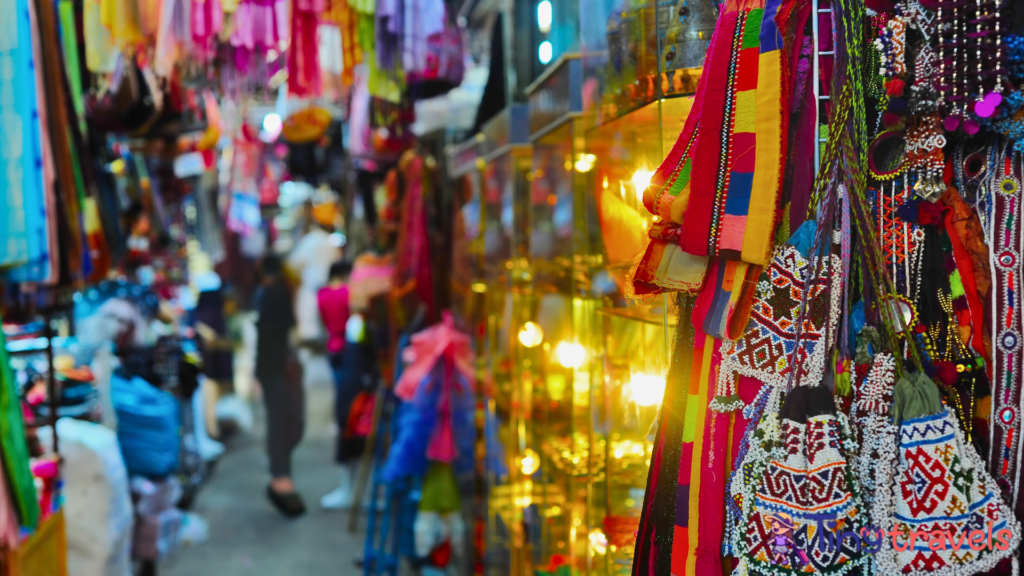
(247, 536)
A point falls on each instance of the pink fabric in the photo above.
(442, 443)
(207, 22)
(334, 311)
(733, 228)
(260, 25)
(427, 347)
(713, 477)
(304, 53)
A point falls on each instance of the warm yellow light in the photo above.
(648, 389)
(604, 183)
(570, 355)
(585, 162)
(641, 180)
(556, 385)
(598, 541)
(525, 494)
(531, 335)
(618, 453)
(478, 287)
(530, 462)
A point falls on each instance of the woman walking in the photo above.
(280, 377)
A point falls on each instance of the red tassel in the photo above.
(891, 119)
(895, 87)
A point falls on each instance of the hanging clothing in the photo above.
(207, 22)
(342, 15)
(122, 18)
(304, 54)
(100, 50)
(21, 161)
(13, 445)
(414, 274)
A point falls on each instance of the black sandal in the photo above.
(289, 504)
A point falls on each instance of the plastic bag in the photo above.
(149, 420)
(97, 501)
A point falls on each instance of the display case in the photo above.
(463, 161)
(639, 51)
(505, 165)
(577, 365)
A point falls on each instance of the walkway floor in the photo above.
(247, 536)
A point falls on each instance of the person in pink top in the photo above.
(333, 301)
(335, 311)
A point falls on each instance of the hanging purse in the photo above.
(797, 494)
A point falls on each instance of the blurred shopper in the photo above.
(310, 260)
(280, 377)
(335, 311)
(210, 317)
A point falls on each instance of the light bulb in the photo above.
(545, 51)
(585, 162)
(530, 462)
(531, 335)
(598, 541)
(648, 389)
(570, 355)
(272, 123)
(544, 16)
(641, 180)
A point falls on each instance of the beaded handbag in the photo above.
(932, 492)
(796, 491)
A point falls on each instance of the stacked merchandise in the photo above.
(847, 357)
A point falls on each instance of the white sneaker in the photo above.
(338, 499)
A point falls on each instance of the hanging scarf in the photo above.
(721, 180)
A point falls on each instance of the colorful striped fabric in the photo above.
(721, 181)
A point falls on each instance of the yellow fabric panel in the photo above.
(765, 191)
(746, 107)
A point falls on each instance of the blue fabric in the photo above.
(148, 423)
(23, 239)
(857, 320)
(414, 424)
(803, 238)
